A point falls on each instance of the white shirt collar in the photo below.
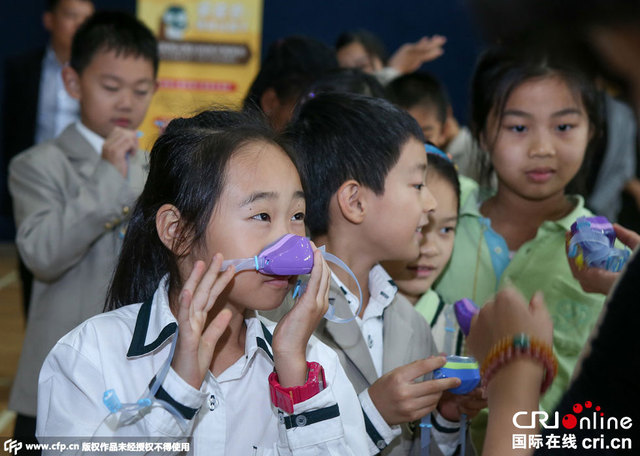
(155, 323)
(382, 290)
(50, 57)
(92, 137)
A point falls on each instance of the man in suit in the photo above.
(72, 195)
(36, 105)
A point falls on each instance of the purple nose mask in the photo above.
(292, 255)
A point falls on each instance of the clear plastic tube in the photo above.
(111, 401)
(241, 264)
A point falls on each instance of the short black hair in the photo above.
(344, 80)
(53, 4)
(416, 89)
(290, 66)
(341, 136)
(112, 31)
(348, 80)
(445, 169)
(370, 42)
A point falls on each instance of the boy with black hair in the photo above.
(363, 164)
(72, 195)
(426, 99)
(36, 106)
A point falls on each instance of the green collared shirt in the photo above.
(480, 266)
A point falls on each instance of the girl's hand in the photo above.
(508, 314)
(197, 339)
(596, 280)
(292, 333)
(472, 403)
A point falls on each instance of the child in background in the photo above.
(210, 193)
(425, 98)
(345, 80)
(72, 195)
(290, 66)
(536, 116)
(414, 279)
(363, 50)
(34, 95)
(363, 166)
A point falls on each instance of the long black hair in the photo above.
(187, 170)
(501, 70)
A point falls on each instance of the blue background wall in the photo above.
(395, 22)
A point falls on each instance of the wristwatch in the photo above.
(285, 398)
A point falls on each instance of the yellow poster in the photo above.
(209, 56)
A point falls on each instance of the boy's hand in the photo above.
(410, 56)
(400, 399)
(292, 333)
(197, 339)
(120, 143)
(452, 406)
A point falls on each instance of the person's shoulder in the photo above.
(468, 189)
(46, 153)
(401, 306)
(579, 208)
(103, 330)
(36, 154)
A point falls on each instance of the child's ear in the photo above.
(352, 201)
(168, 226)
(269, 101)
(71, 82)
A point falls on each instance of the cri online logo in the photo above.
(593, 420)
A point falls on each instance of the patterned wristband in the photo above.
(509, 348)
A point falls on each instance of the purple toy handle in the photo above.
(465, 309)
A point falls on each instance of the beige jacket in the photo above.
(71, 209)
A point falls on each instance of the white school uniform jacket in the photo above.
(232, 414)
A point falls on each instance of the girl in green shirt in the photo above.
(538, 118)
